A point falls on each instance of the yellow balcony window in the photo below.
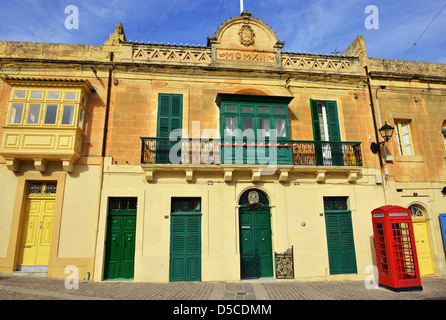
(45, 121)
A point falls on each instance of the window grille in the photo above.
(121, 203)
(335, 203)
(42, 188)
(416, 211)
(35, 187)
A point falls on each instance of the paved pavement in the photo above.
(36, 288)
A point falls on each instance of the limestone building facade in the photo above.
(234, 160)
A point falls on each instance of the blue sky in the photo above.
(315, 26)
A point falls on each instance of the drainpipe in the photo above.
(379, 116)
(101, 184)
(381, 164)
(101, 177)
(107, 106)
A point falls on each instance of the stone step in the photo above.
(29, 274)
(33, 268)
(34, 271)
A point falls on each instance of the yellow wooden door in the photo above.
(423, 247)
(36, 232)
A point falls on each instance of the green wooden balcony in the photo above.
(217, 152)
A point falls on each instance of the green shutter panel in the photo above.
(341, 247)
(315, 119)
(163, 128)
(170, 109)
(334, 133)
(333, 122)
(177, 248)
(164, 105)
(316, 133)
(170, 112)
(185, 248)
(334, 244)
(176, 112)
(193, 249)
(347, 244)
(163, 116)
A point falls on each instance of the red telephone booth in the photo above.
(396, 254)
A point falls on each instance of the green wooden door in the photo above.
(341, 246)
(120, 245)
(185, 247)
(255, 243)
(170, 115)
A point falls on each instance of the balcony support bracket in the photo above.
(228, 175)
(67, 165)
(255, 175)
(40, 165)
(189, 175)
(13, 164)
(352, 177)
(149, 175)
(283, 177)
(320, 176)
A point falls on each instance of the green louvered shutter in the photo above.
(185, 247)
(315, 119)
(163, 116)
(333, 122)
(177, 248)
(193, 248)
(341, 247)
(334, 133)
(176, 112)
(316, 132)
(170, 110)
(333, 243)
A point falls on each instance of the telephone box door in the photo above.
(443, 228)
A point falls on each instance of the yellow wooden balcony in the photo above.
(45, 122)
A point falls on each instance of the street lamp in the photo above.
(386, 132)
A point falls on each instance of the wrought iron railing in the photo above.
(196, 151)
(184, 151)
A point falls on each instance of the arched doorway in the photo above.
(421, 240)
(256, 258)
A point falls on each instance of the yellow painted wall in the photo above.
(299, 200)
(8, 188)
(75, 219)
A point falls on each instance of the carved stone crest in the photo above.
(246, 35)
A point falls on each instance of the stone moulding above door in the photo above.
(258, 173)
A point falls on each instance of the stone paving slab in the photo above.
(33, 288)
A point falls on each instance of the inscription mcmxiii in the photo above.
(246, 56)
